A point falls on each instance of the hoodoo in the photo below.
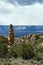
(11, 35)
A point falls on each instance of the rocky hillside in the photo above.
(31, 38)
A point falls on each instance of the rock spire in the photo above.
(11, 35)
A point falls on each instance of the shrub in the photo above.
(3, 50)
(27, 51)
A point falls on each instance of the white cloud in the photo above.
(21, 15)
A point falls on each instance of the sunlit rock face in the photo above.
(41, 36)
(11, 34)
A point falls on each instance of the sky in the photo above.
(21, 12)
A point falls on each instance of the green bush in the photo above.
(3, 50)
(23, 49)
(27, 51)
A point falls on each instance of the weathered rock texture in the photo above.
(11, 34)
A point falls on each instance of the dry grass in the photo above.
(18, 61)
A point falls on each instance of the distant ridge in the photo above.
(21, 30)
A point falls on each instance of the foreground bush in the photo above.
(3, 50)
(28, 51)
(24, 50)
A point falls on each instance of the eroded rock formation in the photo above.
(11, 34)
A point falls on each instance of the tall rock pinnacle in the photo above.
(11, 35)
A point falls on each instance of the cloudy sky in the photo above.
(21, 12)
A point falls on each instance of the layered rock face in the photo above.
(11, 35)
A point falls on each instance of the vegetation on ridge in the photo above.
(23, 50)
